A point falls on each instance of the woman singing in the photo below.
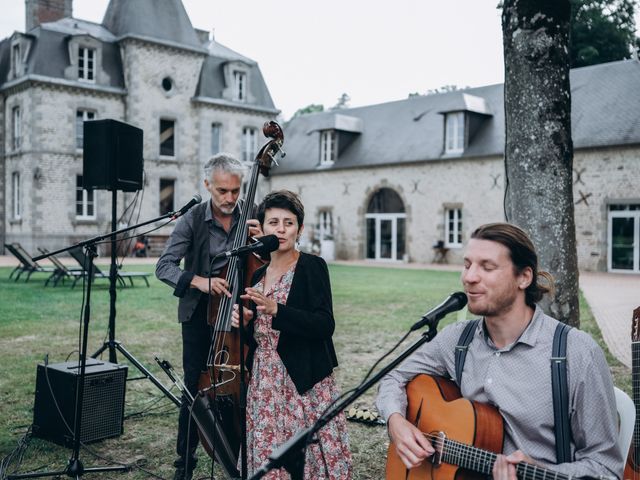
(292, 355)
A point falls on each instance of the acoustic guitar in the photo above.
(466, 435)
(632, 467)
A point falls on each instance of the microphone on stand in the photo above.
(454, 302)
(194, 201)
(262, 246)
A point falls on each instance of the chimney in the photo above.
(42, 11)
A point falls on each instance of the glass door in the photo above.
(624, 239)
(385, 236)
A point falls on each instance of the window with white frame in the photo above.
(167, 195)
(86, 64)
(82, 115)
(454, 132)
(239, 85)
(16, 200)
(249, 144)
(453, 227)
(15, 59)
(167, 137)
(328, 147)
(85, 201)
(16, 130)
(325, 224)
(216, 130)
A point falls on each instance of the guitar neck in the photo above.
(482, 461)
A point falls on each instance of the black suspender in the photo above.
(462, 347)
(561, 393)
(559, 386)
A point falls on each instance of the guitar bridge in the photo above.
(227, 368)
(438, 445)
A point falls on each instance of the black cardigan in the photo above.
(305, 323)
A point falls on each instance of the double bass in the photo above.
(225, 366)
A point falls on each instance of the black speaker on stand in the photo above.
(113, 161)
(112, 156)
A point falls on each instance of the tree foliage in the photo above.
(601, 31)
(311, 108)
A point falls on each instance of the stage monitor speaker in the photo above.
(102, 406)
(112, 156)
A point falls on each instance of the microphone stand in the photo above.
(112, 343)
(290, 455)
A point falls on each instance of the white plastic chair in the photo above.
(626, 420)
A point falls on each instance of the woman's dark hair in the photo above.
(523, 254)
(284, 199)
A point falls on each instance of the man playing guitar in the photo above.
(508, 366)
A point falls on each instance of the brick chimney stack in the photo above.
(42, 11)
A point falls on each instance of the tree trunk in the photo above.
(539, 150)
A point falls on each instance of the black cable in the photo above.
(16, 455)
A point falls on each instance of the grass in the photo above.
(373, 307)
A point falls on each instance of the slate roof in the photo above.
(160, 21)
(605, 112)
(163, 20)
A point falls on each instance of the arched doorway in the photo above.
(385, 219)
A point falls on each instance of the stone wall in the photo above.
(601, 177)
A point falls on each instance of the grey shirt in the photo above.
(517, 380)
(197, 237)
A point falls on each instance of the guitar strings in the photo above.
(474, 458)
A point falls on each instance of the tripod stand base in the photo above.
(112, 346)
(75, 469)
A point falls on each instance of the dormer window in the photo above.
(15, 59)
(237, 81)
(328, 147)
(239, 86)
(86, 64)
(454, 132)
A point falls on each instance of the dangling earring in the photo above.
(298, 243)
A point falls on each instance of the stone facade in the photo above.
(139, 80)
(602, 177)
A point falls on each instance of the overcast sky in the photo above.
(311, 52)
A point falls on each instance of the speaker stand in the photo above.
(112, 344)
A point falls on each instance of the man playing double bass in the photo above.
(508, 365)
(204, 231)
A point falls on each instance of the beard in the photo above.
(490, 307)
(227, 209)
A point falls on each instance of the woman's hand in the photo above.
(254, 228)
(235, 316)
(265, 304)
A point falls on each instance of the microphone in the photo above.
(194, 201)
(454, 302)
(262, 246)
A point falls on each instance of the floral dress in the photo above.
(276, 411)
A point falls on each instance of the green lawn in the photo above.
(373, 308)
